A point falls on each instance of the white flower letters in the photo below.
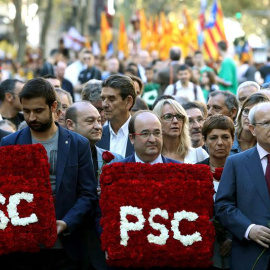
(14, 201)
(126, 226)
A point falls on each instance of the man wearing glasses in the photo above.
(146, 136)
(243, 198)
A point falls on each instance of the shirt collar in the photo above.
(262, 152)
(157, 160)
(124, 128)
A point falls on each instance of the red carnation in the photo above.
(217, 174)
(107, 156)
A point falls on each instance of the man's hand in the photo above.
(61, 226)
(260, 235)
(225, 248)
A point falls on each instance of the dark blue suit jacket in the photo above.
(76, 194)
(242, 199)
(105, 141)
(165, 160)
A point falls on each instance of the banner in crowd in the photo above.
(27, 216)
(157, 215)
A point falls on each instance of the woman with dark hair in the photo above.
(208, 83)
(218, 131)
(243, 137)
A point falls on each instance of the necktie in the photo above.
(267, 173)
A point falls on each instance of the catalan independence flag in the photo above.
(122, 39)
(214, 32)
(106, 36)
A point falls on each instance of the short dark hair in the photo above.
(8, 86)
(183, 67)
(49, 76)
(138, 80)
(38, 87)
(131, 125)
(54, 52)
(198, 52)
(175, 54)
(139, 105)
(231, 101)
(71, 113)
(161, 98)
(218, 121)
(222, 45)
(122, 83)
(193, 105)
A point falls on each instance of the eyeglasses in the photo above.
(245, 112)
(193, 121)
(169, 117)
(147, 134)
(87, 58)
(264, 124)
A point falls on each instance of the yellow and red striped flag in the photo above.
(214, 32)
(106, 35)
(122, 39)
(143, 29)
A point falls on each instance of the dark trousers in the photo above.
(46, 259)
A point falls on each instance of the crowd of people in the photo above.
(151, 111)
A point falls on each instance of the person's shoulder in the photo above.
(242, 155)
(169, 160)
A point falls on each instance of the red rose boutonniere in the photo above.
(217, 174)
(107, 157)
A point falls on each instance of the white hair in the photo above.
(252, 112)
(246, 84)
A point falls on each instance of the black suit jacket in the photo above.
(105, 142)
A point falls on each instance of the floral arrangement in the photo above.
(27, 216)
(217, 174)
(157, 215)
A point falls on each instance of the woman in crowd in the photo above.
(243, 137)
(218, 131)
(176, 139)
(208, 83)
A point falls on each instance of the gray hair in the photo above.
(64, 92)
(230, 99)
(246, 84)
(92, 90)
(252, 112)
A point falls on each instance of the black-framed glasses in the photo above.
(265, 124)
(147, 134)
(245, 112)
(169, 117)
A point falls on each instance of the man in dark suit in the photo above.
(71, 176)
(243, 201)
(145, 134)
(168, 75)
(118, 97)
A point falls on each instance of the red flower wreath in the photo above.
(157, 215)
(27, 216)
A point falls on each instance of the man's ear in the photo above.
(54, 107)
(70, 125)
(252, 129)
(8, 97)
(233, 113)
(131, 138)
(129, 102)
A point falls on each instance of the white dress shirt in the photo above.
(118, 142)
(263, 157)
(157, 160)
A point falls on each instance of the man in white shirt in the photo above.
(243, 198)
(118, 97)
(184, 88)
(145, 134)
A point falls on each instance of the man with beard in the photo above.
(71, 176)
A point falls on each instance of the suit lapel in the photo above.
(254, 167)
(62, 155)
(25, 137)
(105, 144)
